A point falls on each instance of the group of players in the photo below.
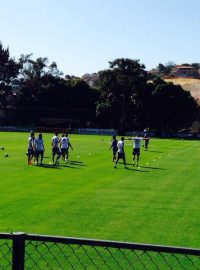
(60, 147)
(119, 153)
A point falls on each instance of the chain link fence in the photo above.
(37, 252)
(5, 252)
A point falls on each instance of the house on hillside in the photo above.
(184, 71)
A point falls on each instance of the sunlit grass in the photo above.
(157, 202)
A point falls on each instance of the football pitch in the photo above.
(157, 202)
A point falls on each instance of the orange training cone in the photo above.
(29, 161)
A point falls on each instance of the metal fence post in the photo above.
(18, 252)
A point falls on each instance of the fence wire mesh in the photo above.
(54, 253)
(51, 256)
(5, 254)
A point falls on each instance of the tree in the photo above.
(8, 70)
(36, 76)
(165, 69)
(161, 68)
(121, 89)
(37, 68)
(44, 94)
(196, 66)
(172, 108)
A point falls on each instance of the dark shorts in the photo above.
(31, 152)
(120, 155)
(39, 152)
(64, 150)
(146, 142)
(114, 151)
(136, 151)
(55, 151)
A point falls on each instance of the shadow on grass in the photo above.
(155, 151)
(154, 168)
(136, 169)
(146, 167)
(73, 164)
(131, 169)
(69, 166)
(48, 166)
(77, 163)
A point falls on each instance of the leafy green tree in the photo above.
(196, 66)
(35, 75)
(165, 69)
(45, 94)
(121, 89)
(161, 68)
(8, 70)
(172, 108)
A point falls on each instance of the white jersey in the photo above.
(30, 142)
(136, 142)
(120, 147)
(64, 142)
(55, 141)
(39, 145)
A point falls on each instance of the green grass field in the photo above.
(157, 203)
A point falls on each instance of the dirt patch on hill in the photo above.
(192, 85)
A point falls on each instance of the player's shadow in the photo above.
(48, 166)
(134, 168)
(139, 170)
(69, 166)
(77, 163)
(155, 151)
(73, 164)
(154, 168)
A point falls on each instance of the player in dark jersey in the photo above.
(146, 142)
(114, 148)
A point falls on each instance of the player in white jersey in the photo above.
(64, 146)
(120, 152)
(136, 148)
(39, 148)
(31, 149)
(55, 148)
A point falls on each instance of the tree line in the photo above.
(34, 92)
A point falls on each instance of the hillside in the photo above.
(192, 85)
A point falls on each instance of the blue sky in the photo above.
(81, 36)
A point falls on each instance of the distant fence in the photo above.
(21, 251)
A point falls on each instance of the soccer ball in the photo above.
(2, 147)
(6, 155)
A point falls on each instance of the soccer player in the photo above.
(136, 148)
(31, 149)
(114, 147)
(146, 142)
(39, 149)
(64, 146)
(120, 152)
(55, 148)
